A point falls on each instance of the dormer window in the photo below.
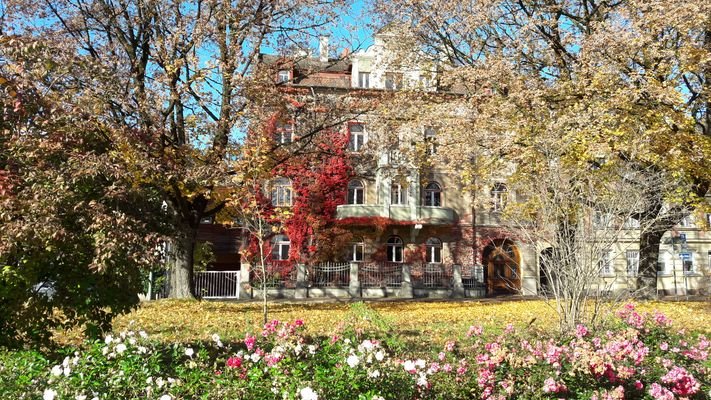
(393, 81)
(284, 76)
(364, 80)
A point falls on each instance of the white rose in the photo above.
(49, 394)
(57, 370)
(379, 355)
(352, 360)
(166, 397)
(189, 352)
(308, 394)
(80, 397)
(120, 348)
(108, 339)
(409, 366)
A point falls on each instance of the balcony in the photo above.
(416, 214)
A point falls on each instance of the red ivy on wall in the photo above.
(319, 180)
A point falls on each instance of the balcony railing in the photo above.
(432, 215)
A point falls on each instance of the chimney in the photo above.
(323, 48)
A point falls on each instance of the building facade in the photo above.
(417, 232)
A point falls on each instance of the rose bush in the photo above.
(639, 356)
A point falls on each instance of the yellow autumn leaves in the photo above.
(432, 321)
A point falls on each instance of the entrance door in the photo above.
(503, 268)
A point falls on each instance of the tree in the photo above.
(623, 80)
(182, 75)
(578, 220)
(77, 230)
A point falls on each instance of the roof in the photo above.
(309, 64)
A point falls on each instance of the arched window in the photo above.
(398, 193)
(433, 195)
(499, 197)
(280, 247)
(395, 249)
(281, 192)
(356, 192)
(434, 250)
(357, 250)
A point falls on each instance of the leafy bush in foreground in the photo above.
(640, 358)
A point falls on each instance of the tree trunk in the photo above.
(649, 243)
(181, 274)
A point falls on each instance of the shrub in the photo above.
(640, 357)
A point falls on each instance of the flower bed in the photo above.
(640, 357)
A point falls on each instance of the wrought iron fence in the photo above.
(378, 275)
(217, 284)
(279, 275)
(472, 276)
(330, 274)
(432, 276)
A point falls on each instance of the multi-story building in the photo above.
(416, 232)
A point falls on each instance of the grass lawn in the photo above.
(433, 321)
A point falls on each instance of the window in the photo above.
(434, 250)
(394, 249)
(357, 251)
(283, 133)
(632, 262)
(433, 195)
(686, 222)
(499, 197)
(357, 137)
(281, 192)
(398, 194)
(364, 79)
(631, 223)
(393, 81)
(430, 141)
(605, 263)
(662, 265)
(356, 192)
(280, 247)
(602, 220)
(283, 76)
(687, 261)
